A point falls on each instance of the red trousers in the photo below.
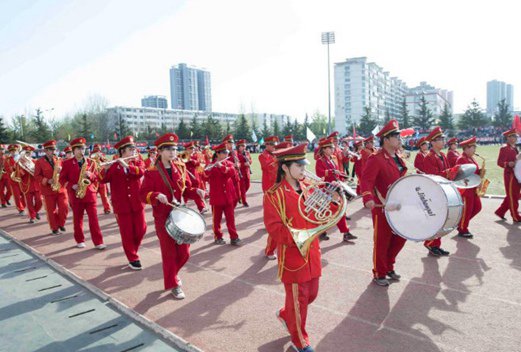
(295, 311)
(18, 197)
(5, 190)
(229, 214)
(511, 201)
(33, 200)
(245, 186)
(433, 243)
(132, 227)
(174, 255)
(342, 225)
(198, 201)
(57, 210)
(471, 207)
(78, 209)
(102, 190)
(387, 245)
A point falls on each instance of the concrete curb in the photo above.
(141, 320)
(493, 196)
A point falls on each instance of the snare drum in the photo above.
(185, 225)
(429, 207)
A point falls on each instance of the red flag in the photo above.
(407, 132)
(206, 142)
(517, 124)
(354, 132)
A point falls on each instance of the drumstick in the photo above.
(391, 206)
(178, 207)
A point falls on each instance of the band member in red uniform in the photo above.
(471, 200)
(326, 167)
(368, 149)
(436, 163)
(269, 167)
(300, 275)
(232, 156)
(507, 160)
(338, 155)
(164, 184)
(71, 175)
(152, 156)
(423, 145)
(68, 155)
(124, 177)
(452, 153)
(289, 138)
(10, 166)
(5, 190)
(29, 187)
(224, 194)
(245, 167)
(192, 165)
(383, 168)
(68, 152)
(102, 187)
(54, 194)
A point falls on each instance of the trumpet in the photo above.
(105, 163)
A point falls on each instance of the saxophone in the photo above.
(483, 186)
(83, 181)
(56, 177)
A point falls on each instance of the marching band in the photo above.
(166, 180)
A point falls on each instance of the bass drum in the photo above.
(517, 170)
(185, 226)
(428, 207)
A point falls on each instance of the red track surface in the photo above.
(469, 301)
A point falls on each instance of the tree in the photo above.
(182, 130)
(242, 129)
(424, 120)
(276, 128)
(446, 119)
(387, 117)
(228, 127)
(4, 133)
(298, 131)
(255, 128)
(266, 130)
(404, 120)
(503, 117)
(318, 124)
(195, 128)
(20, 128)
(41, 131)
(473, 117)
(288, 128)
(367, 122)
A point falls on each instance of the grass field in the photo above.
(489, 152)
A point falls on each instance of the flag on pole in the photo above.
(261, 141)
(206, 141)
(375, 130)
(354, 132)
(310, 136)
(253, 136)
(517, 124)
(191, 133)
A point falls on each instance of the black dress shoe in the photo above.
(38, 216)
(4, 206)
(55, 232)
(219, 241)
(235, 242)
(324, 237)
(434, 251)
(8, 202)
(62, 229)
(32, 221)
(246, 205)
(348, 218)
(349, 236)
(393, 275)
(465, 234)
(107, 211)
(20, 212)
(443, 251)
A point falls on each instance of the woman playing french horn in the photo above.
(296, 232)
(163, 187)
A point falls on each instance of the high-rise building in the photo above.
(360, 84)
(154, 101)
(497, 91)
(190, 88)
(436, 99)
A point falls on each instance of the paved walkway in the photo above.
(41, 310)
(469, 301)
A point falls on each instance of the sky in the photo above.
(264, 56)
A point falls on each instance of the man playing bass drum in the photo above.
(164, 184)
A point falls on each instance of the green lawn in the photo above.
(490, 153)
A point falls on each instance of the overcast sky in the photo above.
(264, 56)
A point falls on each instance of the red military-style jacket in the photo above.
(358, 164)
(29, 184)
(434, 164)
(43, 172)
(153, 185)
(193, 166)
(9, 166)
(380, 172)
(507, 153)
(125, 185)
(3, 165)
(280, 211)
(419, 161)
(243, 159)
(149, 162)
(327, 168)
(70, 174)
(339, 156)
(269, 166)
(224, 184)
(452, 157)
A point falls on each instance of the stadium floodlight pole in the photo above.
(328, 38)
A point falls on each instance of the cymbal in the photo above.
(465, 170)
(469, 181)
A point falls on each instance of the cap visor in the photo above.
(302, 162)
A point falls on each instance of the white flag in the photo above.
(375, 130)
(253, 136)
(310, 136)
